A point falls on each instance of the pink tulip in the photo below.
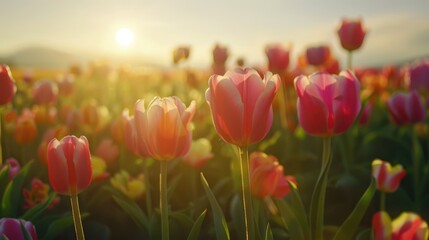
(220, 54)
(409, 225)
(69, 165)
(278, 58)
(163, 129)
(266, 176)
(7, 85)
(351, 34)
(14, 167)
(107, 150)
(10, 228)
(417, 76)
(327, 104)
(240, 103)
(45, 92)
(387, 177)
(406, 108)
(318, 55)
(381, 226)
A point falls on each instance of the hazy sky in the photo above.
(397, 29)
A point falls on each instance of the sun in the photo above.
(124, 37)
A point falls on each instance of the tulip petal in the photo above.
(57, 168)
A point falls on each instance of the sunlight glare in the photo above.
(124, 37)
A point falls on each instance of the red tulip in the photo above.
(318, 55)
(387, 177)
(382, 226)
(267, 177)
(409, 225)
(278, 58)
(351, 34)
(417, 76)
(327, 104)
(163, 129)
(69, 165)
(240, 103)
(45, 92)
(7, 85)
(10, 228)
(406, 108)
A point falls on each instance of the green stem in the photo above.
(318, 198)
(76, 217)
(148, 192)
(163, 200)
(349, 60)
(246, 196)
(382, 201)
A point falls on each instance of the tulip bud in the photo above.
(381, 226)
(163, 129)
(278, 58)
(240, 103)
(417, 75)
(318, 55)
(406, 108)
(10, 228)
(387, 177)
(69, 165)
(7, 85)
(199, 154)
(327, 104)
(351, 34)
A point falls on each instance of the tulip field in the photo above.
(300, 149)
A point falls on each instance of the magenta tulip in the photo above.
(7, 85)
(406, 108)
(240, 103)
(351, 34)
(417, 76)
(10, 228)
(327, 104)
(69, 165)
(318, 55)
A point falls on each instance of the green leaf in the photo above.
(135, 212)
(25, 232)
(59, 226)
(349, 226)
(4, 179)
(290, 220)
(35, 211)
(195, 231)
(268, 233)
(11, 200)
(221, 227)
(299, 210)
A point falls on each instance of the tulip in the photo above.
(267, 178)
(7, 85)
(318, 55)
(240, 103)
(66, 85)
(163, 132)
(69, 169)
(107, 150)
(327, 104)
(220, 54)
(164, 127)
(199, 154)
(98, 166)
(93, 117)
(409, 225)
(351, 34)
(12, 228)
(278, 58)
(406, 108)
(132, 187)
(38, 193)
(45, 92)
(25, 130)
(387, 177)
(54, 132)
(382, 226)
(180, 54)
(14, 167)
(417, 75)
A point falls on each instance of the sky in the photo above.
(397, 30)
